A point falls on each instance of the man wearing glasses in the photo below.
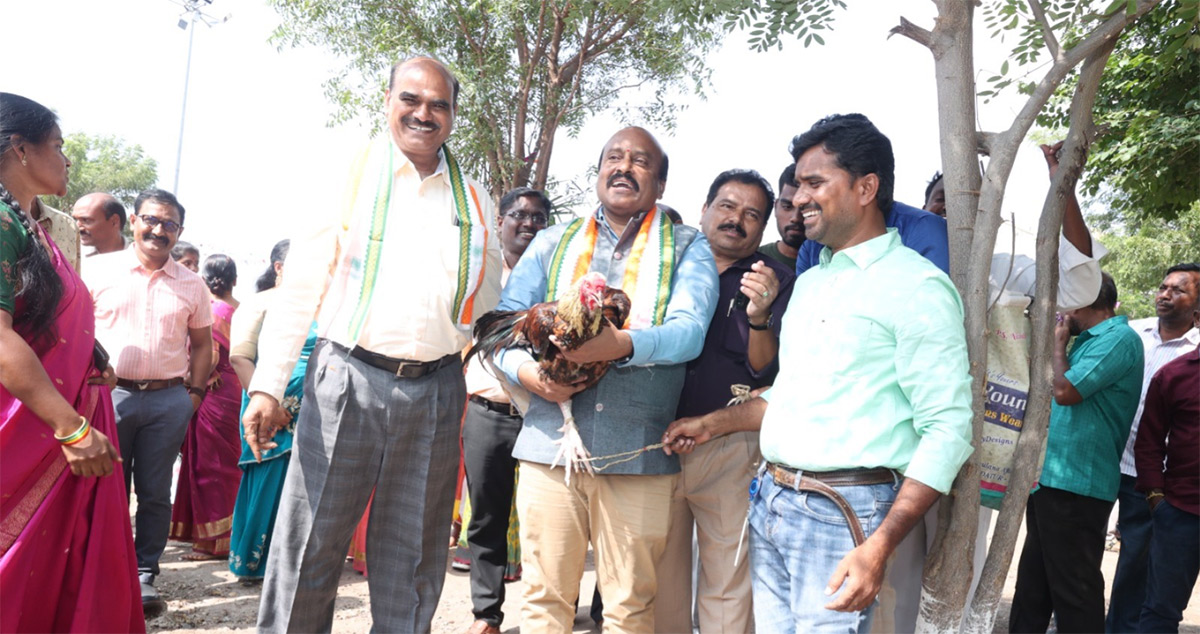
(148, 308)
(489, 432)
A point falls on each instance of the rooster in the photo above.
(545, 330)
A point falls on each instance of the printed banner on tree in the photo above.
(1007, 395)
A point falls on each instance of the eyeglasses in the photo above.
(170, 226)
(537, 218)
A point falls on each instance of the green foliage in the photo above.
(1138, 259)
(1145, 161)
(527, 67)
(768, 20)
(104, 164)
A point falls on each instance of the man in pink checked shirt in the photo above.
(148, 309)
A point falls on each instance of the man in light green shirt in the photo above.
(873, 383)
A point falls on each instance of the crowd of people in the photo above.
(763, 447)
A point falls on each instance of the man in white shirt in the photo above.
(395, 285)
(1165, 337)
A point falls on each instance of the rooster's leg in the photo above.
(571, 450)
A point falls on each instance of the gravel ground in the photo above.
(205, 597)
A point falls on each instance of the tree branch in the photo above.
(1035, 6)
(912, 32)
(1109, 30)
(984, 141)
(982, 613)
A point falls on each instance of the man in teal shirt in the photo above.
(867, 390)
(1096, 391)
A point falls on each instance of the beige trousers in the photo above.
(712, 494)
(625, 519)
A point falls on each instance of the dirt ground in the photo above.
(205, 597)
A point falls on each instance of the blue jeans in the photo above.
(1174, 564)
(797, 540)
(1129, 581)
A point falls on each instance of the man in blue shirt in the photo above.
(624, 512)
(1096, 390)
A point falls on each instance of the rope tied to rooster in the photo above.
(741, 394)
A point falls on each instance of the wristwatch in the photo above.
(198, 391)
(765, 326)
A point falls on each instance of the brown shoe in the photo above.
(483, 627)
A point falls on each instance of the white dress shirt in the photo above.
(410, 315)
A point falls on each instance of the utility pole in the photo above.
(193, 11)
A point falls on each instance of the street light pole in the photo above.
(192, 13)
(187, 73)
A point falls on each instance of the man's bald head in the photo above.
(428, 62)
(101, 218)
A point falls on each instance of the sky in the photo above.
(259, 161)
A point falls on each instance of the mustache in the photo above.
(733, 225)
(154, 238)
(410, 120)
(806, 207)
(627, 176)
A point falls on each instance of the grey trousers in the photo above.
(150, 430)
(362, 429)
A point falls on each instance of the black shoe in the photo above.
(153, 605)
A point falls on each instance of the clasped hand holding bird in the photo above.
(573, 342)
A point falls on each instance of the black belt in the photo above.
(402, 368)
(149, 386)
(822, 483)
(508, 409)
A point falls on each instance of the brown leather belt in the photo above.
(402, 368)
(507, 409)
(149, 386)
(822, 482)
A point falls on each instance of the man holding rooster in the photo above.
(668, 275)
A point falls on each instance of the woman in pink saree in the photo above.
(209, 476)
(67, 562)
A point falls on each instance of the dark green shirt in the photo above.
(14, 239)
(1083, 449)
(772, 251)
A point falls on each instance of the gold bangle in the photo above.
(1155, 494)
(78, 434)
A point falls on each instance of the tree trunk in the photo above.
(982, 614)
(943, 594)
(972, 239)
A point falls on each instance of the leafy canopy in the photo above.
(104, 164)
(1138, 260)
(527, 67)
(1145, 161)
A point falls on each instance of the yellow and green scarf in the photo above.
(648, 268)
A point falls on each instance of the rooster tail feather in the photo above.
(494, 331)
